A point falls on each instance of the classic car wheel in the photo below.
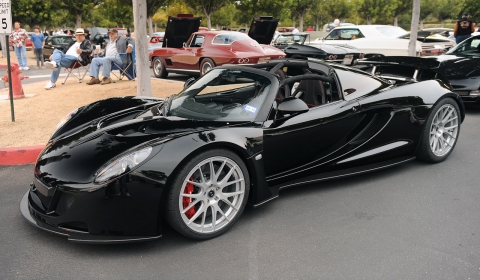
(206, 65)
(208, 194)
(441, 132)
(159, 68)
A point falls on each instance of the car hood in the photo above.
(76, 155)
(179, 29)
(262, 29)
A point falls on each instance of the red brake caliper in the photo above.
(187, 200)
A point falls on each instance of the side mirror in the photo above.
(184, 44)
(188, 82)
(291, 106)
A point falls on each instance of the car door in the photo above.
(187, 57)
(300, 145)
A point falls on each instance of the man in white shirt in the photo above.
(116, 45)
(60, 59)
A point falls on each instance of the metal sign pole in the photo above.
(6, 28)
(10, 91)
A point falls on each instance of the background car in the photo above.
(374, 40)
(56, 42)
(116, 169)
(299, 46)
(188, 51)
(460, 65)
(155, 41)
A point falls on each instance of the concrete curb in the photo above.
(19, 155)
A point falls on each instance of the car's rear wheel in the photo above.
(206, 65)
(441, 132)
(208, 194)
(159, 69)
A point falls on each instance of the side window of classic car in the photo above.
(197, 41)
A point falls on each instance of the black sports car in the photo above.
(115, 168)
(299, 46)
(460, 65)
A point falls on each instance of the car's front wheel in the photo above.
(159, 69)
(208, 194)
(441, 131)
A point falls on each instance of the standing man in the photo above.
(295, 32)
(38, 41)
(116, 45)
(60, 59)
(463, 28)
(18, 38)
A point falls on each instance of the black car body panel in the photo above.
(460, 66)
(330, 53)
(262, 29)
(179, 29)
(365, 123)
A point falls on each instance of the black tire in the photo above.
(159, 69)
(217, 205)
(206, 65)
(440, 132)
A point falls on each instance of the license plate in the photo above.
(264, 60)
(347, 60)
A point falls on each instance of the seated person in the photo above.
(117, 45)
(61, 59)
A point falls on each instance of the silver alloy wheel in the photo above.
(444, 130)
(157, 66)
(207, 66)
(211, 194)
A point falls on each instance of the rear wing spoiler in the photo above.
(416, 63)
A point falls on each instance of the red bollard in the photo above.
(16, 81)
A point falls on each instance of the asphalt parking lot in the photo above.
(413, 221)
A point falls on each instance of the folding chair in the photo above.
(78, 69)
(129, 71)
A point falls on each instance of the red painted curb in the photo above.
(19, 155)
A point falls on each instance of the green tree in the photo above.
(371, 9)
(473, 8)
(31, 12)
(208, 7)
(427, 7)
(224, 16)
(300, 9)
(77, 8)
(446, 9)
(400, 7)
(119, 12)
(250, 9)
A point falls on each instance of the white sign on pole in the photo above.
(5, 17)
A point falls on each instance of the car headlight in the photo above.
(122, 165)
(64, 120)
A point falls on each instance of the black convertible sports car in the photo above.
(115, 168)
(460, 65)
(299, 46)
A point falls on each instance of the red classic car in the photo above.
(188, 52)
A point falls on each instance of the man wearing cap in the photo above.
(61, 59)
(463, 28)
(116, 46)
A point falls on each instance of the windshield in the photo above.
(229, 37)
(391, 31)
(469, 47)
(288, 39)
(222, 95)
